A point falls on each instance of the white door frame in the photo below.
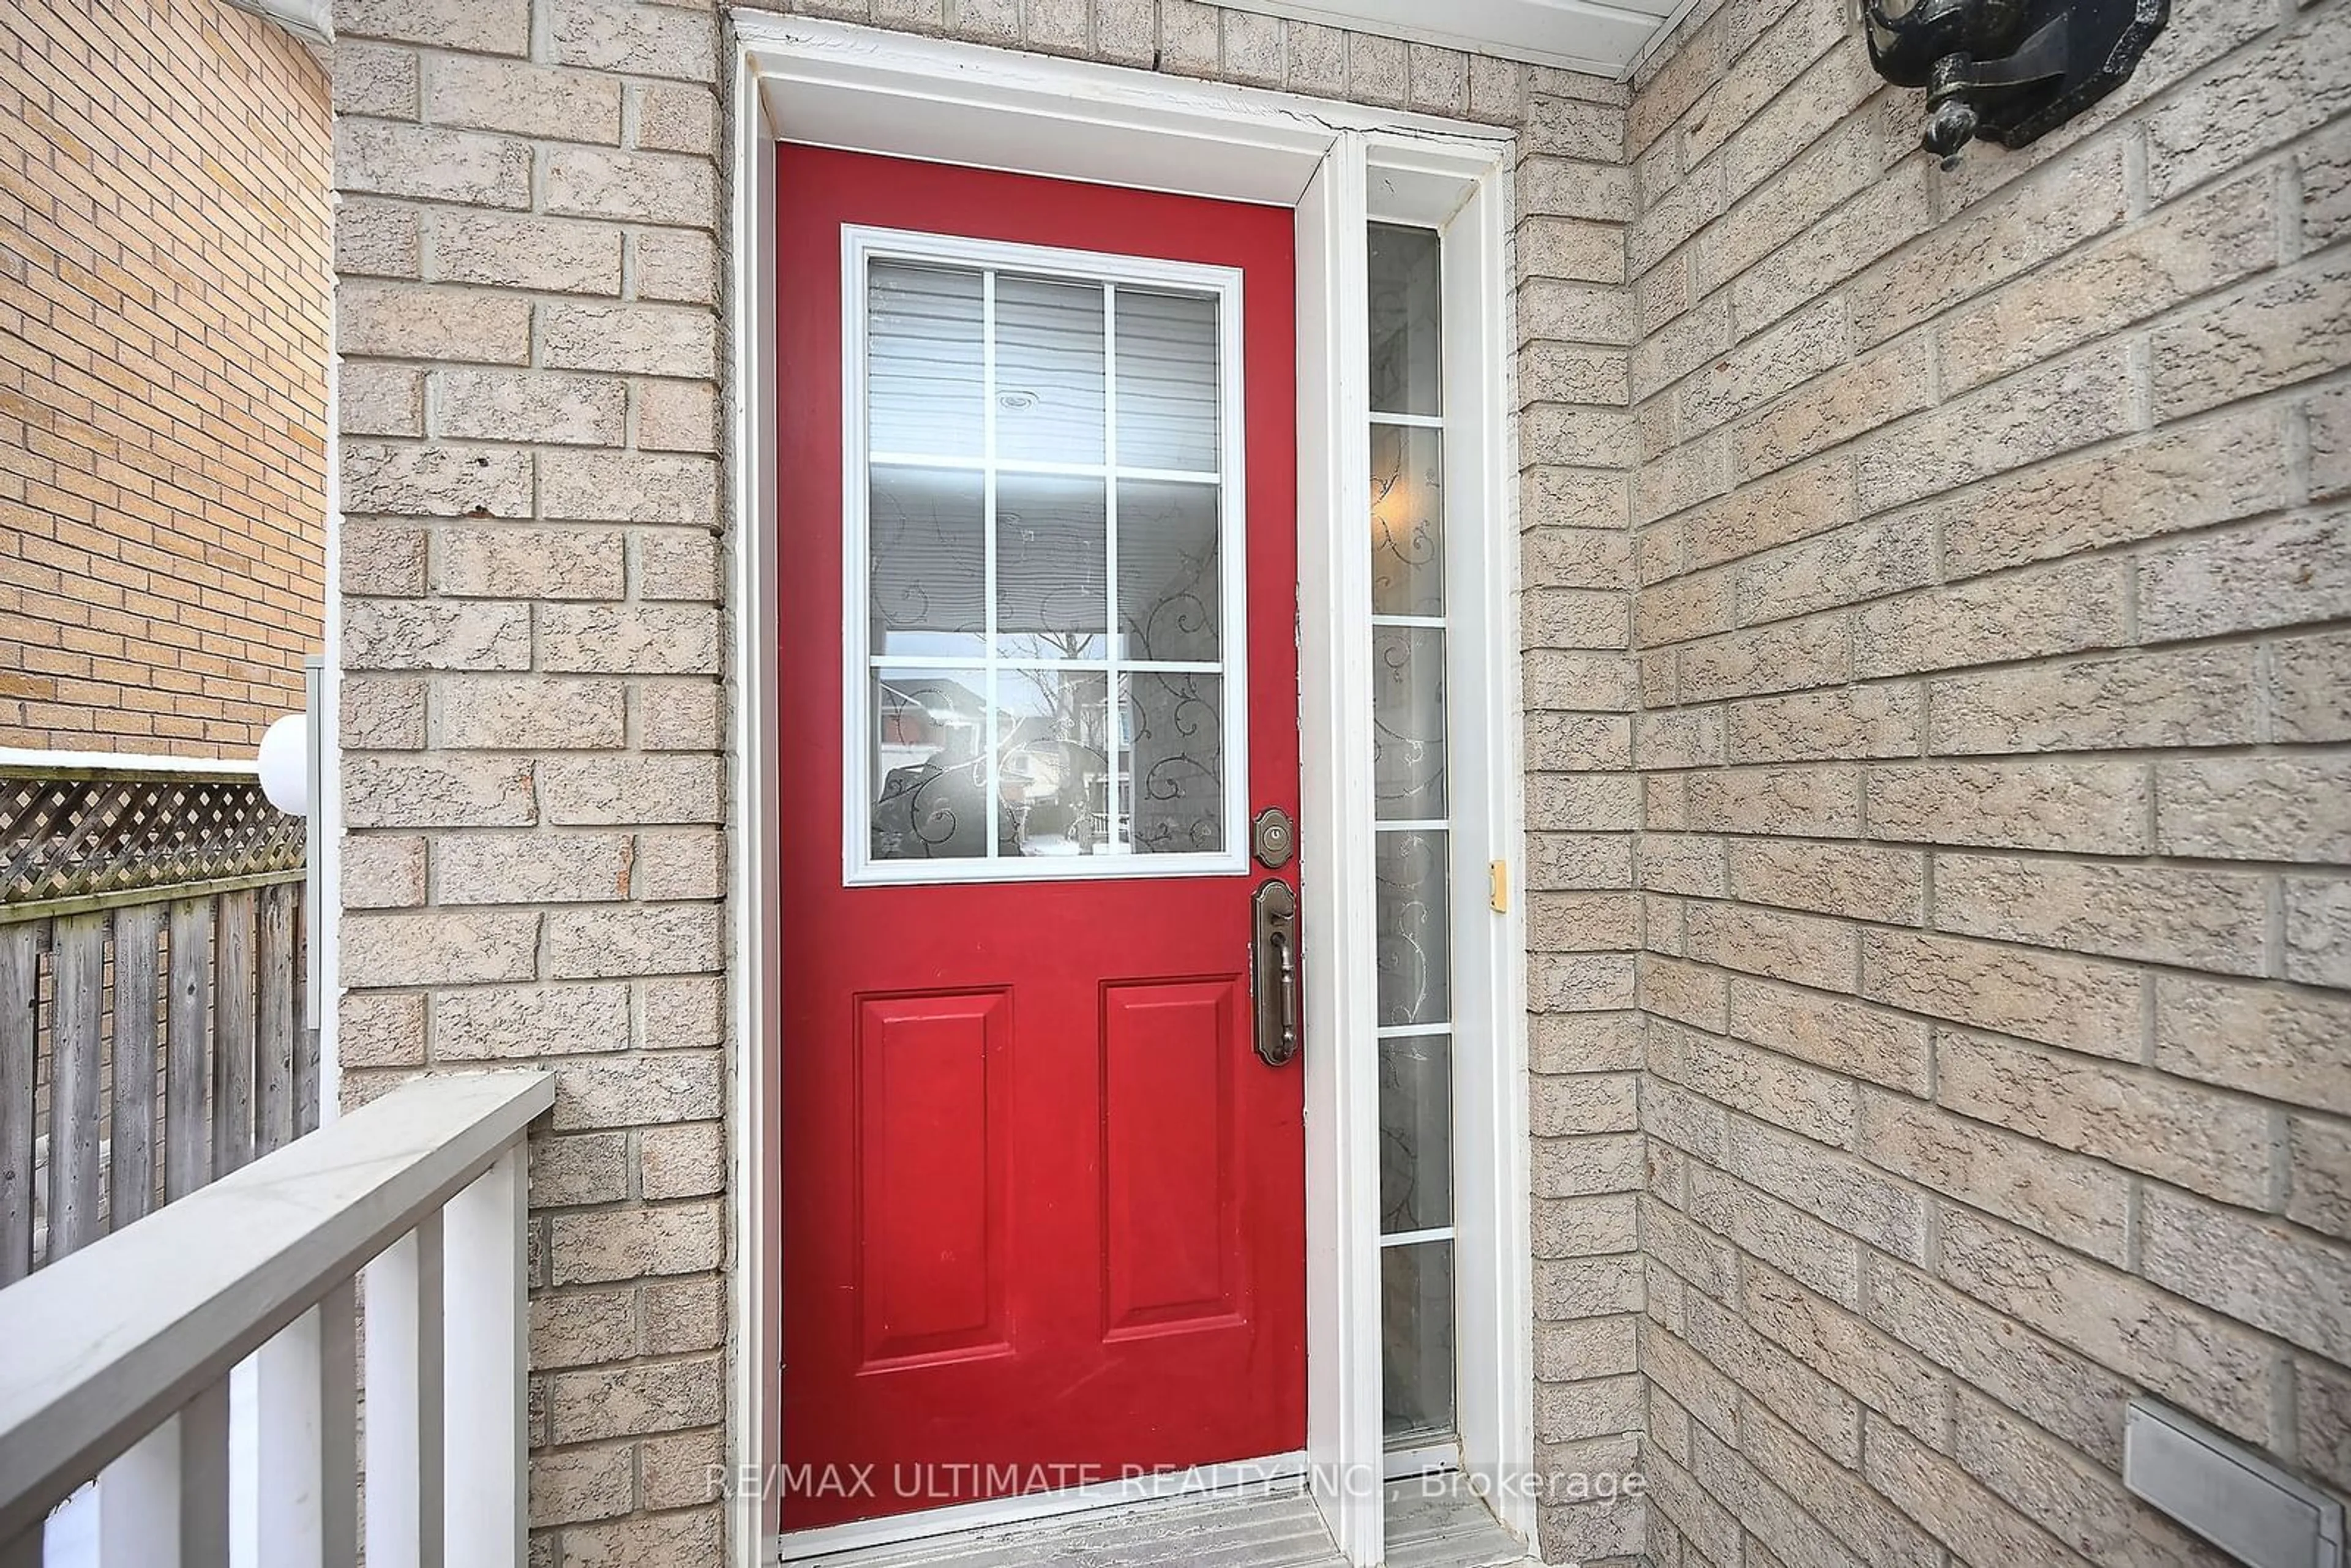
(1337, 166)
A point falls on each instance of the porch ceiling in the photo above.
(1605, 37)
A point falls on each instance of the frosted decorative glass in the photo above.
(929, 760)
(1173, 772)
(928, 560)
(1044, 610)
(1407, 520)
(1169, 576)
(1411, 919)
(1408, 722)
(1053, 567)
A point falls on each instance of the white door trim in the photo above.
(1336, 167)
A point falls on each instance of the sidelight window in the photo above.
(1413, 829)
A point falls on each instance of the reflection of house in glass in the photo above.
(1052, 774)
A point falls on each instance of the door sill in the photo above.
(1422, 1459)
(1277, 1474)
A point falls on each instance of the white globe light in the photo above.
(284, 764)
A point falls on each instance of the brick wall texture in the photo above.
(1935, 647)
(164, 287)
(1991, 578)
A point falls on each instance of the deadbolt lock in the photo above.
(1271, 838)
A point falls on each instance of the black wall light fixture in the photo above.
(2007, 70)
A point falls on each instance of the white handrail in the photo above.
(101, 1348)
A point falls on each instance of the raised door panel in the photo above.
(1172, 1238)
(932, 1101)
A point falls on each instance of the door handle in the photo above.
(1274, 970)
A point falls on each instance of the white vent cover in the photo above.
(2227, 1493)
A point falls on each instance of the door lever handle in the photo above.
(1274, 970)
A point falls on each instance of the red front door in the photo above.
(1043, 1202)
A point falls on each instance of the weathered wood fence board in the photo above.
(188, 1064)
(277, 1022)
(20, 983)
(234, 1027)
(131, 1167)
(78, 1058)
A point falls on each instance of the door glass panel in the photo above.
(1416, 1133)
(1045, 586)
(1408, 722)
(1167, 380)
(1173, 773)
(1055, 741)
(1407, 520)
(1417, 1342)
(1053, 568)
(923, 360)
(1407, 345)
(1049, 370)
(929, 752)
(929, 562)
(1411, 917)
(1169, 575)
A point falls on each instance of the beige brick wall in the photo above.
(529, 312)
(163, 312)
(1993, 580)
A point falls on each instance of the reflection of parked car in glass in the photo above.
(933, 795)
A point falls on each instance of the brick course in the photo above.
(164, 328)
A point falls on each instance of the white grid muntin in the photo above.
(861, 246)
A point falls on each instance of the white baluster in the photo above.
(338, 1408)
(484, 1290)
(204, 1478)
(284, 1447)
(139, 1503)
(405, 1400)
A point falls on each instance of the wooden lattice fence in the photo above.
(153, 1005)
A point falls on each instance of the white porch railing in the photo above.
(117, 1362)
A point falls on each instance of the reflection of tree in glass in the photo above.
(1053, 750)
